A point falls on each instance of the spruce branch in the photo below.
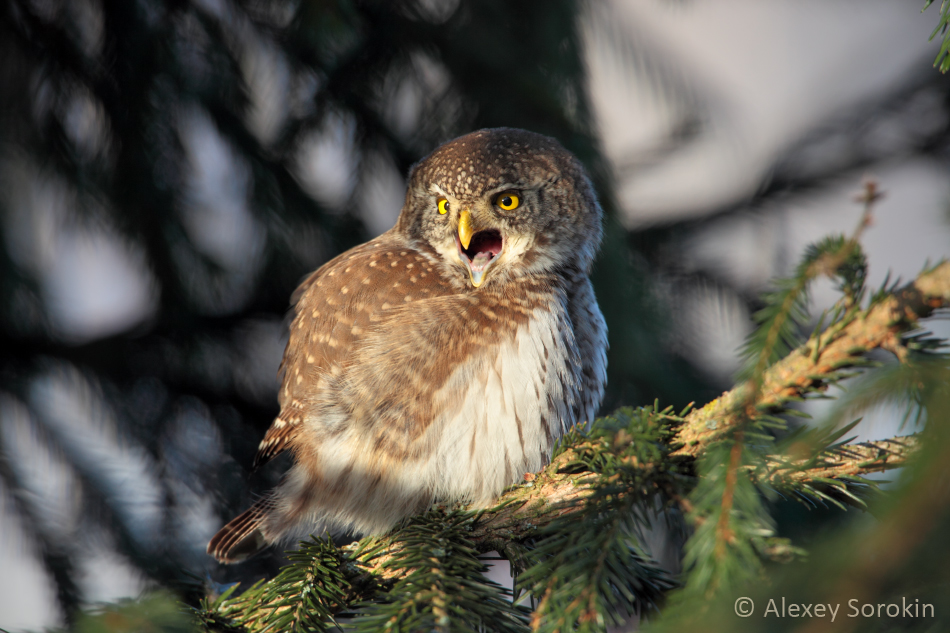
(916, 513)
(558, 492)
(304, 596)
(836, 257)
(823, 359)
(836, 474)
(441, 586)
(589, 567)
(733, 528)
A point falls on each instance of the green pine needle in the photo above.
(442, 587)
(943, 56)
(590, 571)
(303, 597)
(725, 549)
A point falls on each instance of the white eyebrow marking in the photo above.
(508, 187)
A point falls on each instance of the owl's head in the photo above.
(500, 203)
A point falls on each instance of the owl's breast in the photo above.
(503, 409)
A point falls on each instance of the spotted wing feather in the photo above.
(279, 436)
(307, 354)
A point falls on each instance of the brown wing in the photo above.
(300, 348)
(392, 388)
(335, 308)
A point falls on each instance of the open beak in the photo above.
(465, 228)
(478, 249)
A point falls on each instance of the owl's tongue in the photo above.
(481, 260)
(484, 247)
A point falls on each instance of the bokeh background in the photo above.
(170, 169)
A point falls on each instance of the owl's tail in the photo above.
(242, 537)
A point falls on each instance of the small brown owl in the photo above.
(441, 360)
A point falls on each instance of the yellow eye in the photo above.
(443, 206)
(508, 201)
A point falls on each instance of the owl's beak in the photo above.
(478, 249)
(465, 228)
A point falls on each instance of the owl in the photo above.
(441, 360)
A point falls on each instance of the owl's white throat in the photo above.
(482, 251)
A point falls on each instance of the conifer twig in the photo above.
(803, 371)
(850, 460)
